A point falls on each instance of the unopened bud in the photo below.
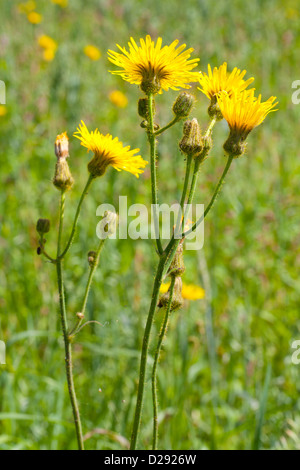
(108, 225)
(144, 124)
(143, 107)
(190, 143)
(177, 267)
(92, 256)
(235, 145)
(62, 146)
(214, 110)
(177, 299)
(183, 104)
(63, 179)
(43, 226)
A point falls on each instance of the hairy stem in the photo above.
(156, 359)
(64, 324)
(170, 124)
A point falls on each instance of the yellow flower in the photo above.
(118, 98)
(61, 3)
(92, 52)
(221, 80)
(34, 17)
(3, 110)
(47, 43)
(27, 7)
(189, 291)
(243, 111)
(153, 67)
(109, 151)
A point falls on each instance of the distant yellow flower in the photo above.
(118, 98)
(109, 151)
(47, 42)
(153, 67)
(243, 111)
(221, 80)
(92, 52)
(27, 7)
(189, 291)
(61, 3)
(3, 110)
(34, 17)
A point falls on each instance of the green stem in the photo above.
(83, 195)
(64, 323)
(144, 354)
(156, 359)
(211, 203)
(88, 287)
(152, 142)
(163, 129)
(186, 180)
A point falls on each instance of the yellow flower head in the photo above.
(92, 52)
(153, 67)
(109, 151)
(189, 291)
(118, 98)
(3, 110)
(220, 79)
(243, 111)
(34, 17)
(46, 42)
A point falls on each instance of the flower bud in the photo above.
(62, 146)
(108, 225)
(183, 104)
(214, 110)
(177, 300)
(92, 255)
(234, 145)
(177, 267)
(43, 226)
(190, 143)
(143, 107)
(63, 179)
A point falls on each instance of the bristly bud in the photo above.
(177, 267)
(43, 226)
(214, 110)
(143, 107)
(63, 179)
(190, 143)
(62, 146)
(108, 225)
(235, 145)
(183, 105)
(177, 300)
(92, 255)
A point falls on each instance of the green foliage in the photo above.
(214, 368)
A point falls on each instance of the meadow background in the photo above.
(226, 380)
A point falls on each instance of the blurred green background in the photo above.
(223, 353)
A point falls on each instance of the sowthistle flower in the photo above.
(153, 67)
(109, 151)
(243, 111)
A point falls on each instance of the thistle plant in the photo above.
(155, 69)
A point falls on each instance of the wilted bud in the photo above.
(63, 179)
(43, 226)
(80, 316)
(92, 257)
(177, 267)
(190, 143)
(235, 145)
(183, 104)
(177, 300)
(214, 110)
(62, 146)
(108, 225)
